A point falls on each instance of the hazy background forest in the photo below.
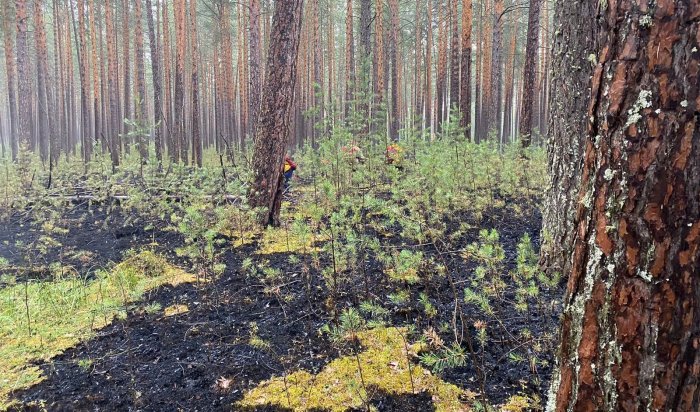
(347, 205)
(95, 71)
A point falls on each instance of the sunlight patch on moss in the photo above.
(65, 312)
(519, 403)
(338, 386)
(281, 240)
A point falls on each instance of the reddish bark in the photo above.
(631, 327)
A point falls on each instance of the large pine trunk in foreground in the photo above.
(630, 332)
(273, 129)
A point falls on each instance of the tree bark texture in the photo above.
(273, 130)
(630, 334)
(571, 72)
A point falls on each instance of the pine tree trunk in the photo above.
(169, 127)
(630, 335)
(42, 55)
(330, 42)
(417, 66)
(379, 52)
(440, 83)
(57, 131)
(126, 40)
(157, 83)
(95, 64)
(317, 86)
(465, 100)
(23, 72)
(496, 72)
(244, 76)
(112, 84)
(71, 113)
(429, 71)
(572, 46)
(141, 112)
(395, 80)
(364, 78)
(180, 42)
(273, 130)
(454, 58)
(255, 62)
(196, 123)
(478, 107)
(11, 69)
(350, 79)
(529, 75)
(85, 137)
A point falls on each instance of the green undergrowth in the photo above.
(39, 320)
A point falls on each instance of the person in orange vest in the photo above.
(289, 168)
(393, 154)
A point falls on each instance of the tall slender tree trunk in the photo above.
(465, 101)
(95, 64)
(179, 7)
(72, 136)
(395, 80)
(255, 62)
(417, 68)
(105, 114)
(496, 104)
(631, 325)
(440, 83)
(58, 130)
(273, 130)
(11, 69)
(170, 132)
(509, 80)
(126, 40)
(244, 76)
(196, 123)
(141, 112)
(85, 138)
(330, 42)
(454, 57)
(23, 71)
(529, 75)
(157, 83)
(317, 85)
(379, 52)
(478, 95)
(350, 79)
(429, 70)
(42, 55)
(112, 85)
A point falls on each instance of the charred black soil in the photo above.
(202, 359)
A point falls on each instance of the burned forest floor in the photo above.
(386, 288)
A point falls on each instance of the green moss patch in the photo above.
(39, 320)
(339, 386)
